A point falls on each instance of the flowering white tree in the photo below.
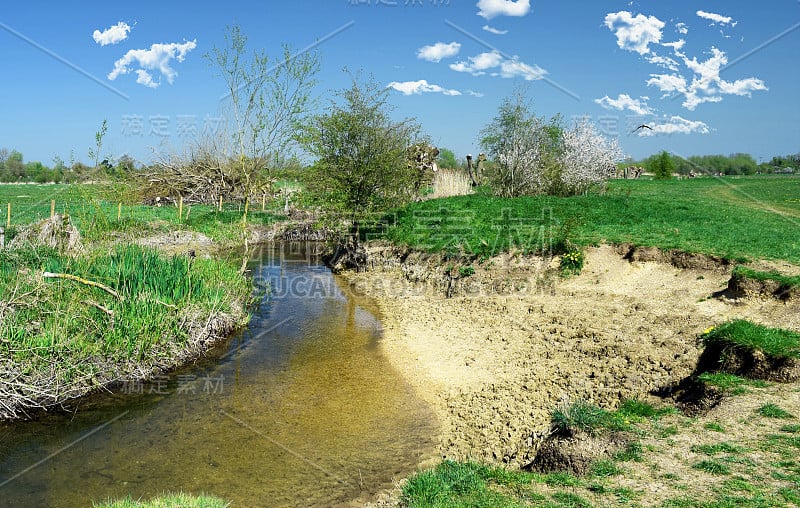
(589, 158)
(538, 157)
(525, 148)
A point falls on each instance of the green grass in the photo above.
(93, 209)
(784, 280)
(730, 384)
(717, 448)
(713, 467)
(774, 411)
(166, 501)
(748, 336)
(452, 484)
(90, 335)
(716, 427)
(581, 416)
(732, 218)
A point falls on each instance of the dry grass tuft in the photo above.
(450, 182)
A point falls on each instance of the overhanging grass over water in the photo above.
(63, 336)
(742, 218)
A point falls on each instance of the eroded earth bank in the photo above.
(514, 338)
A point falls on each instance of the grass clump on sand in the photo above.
(166, 501)
(746, 336)
(784, 280)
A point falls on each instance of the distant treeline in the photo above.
(734, 164)
(13, 168)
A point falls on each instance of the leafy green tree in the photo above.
(15, 168)
(662, 166)
(447, 159)
(360, 152)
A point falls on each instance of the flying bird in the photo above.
(643, 126)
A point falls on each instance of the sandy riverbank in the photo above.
(492, 361)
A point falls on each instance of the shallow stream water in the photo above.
(300, 409)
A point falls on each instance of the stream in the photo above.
(299, 409)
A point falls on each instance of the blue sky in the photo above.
(709, 77)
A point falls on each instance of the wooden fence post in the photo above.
(119, 212)
(52, 208)
(180, 208)
(8, 217)
(263, 201)
(220, 203)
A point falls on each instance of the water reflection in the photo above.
(299, 410)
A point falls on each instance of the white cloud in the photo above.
(506, 67)
(675, 125)
(474, 94)
(158, 57)
(635, 33)
(478, 64)
(112, 35)
(513, 68)
(706, 85)
(668, 83)
(420, 87)
(493, 30)
(664, 61)
(716, 18)
(438, 51)
(625, 101)
(682, 28)
(145, 78)
(677, 45)
(491, 8)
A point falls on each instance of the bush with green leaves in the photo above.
(360, 150)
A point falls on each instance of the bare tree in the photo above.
(267, 100)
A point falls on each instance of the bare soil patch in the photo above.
(515, 339)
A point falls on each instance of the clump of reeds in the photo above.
(450, 182)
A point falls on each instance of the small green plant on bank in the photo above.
(572, 261)
(774, 411)
(465, 271)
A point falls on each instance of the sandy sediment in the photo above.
(515, 339)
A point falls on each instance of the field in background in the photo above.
(97, 209)
(737, 218)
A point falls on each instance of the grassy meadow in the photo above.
(98, 210)
(113, 308)
(736, 218)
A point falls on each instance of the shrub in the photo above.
(572, 261)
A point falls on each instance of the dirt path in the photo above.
(493, 364)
